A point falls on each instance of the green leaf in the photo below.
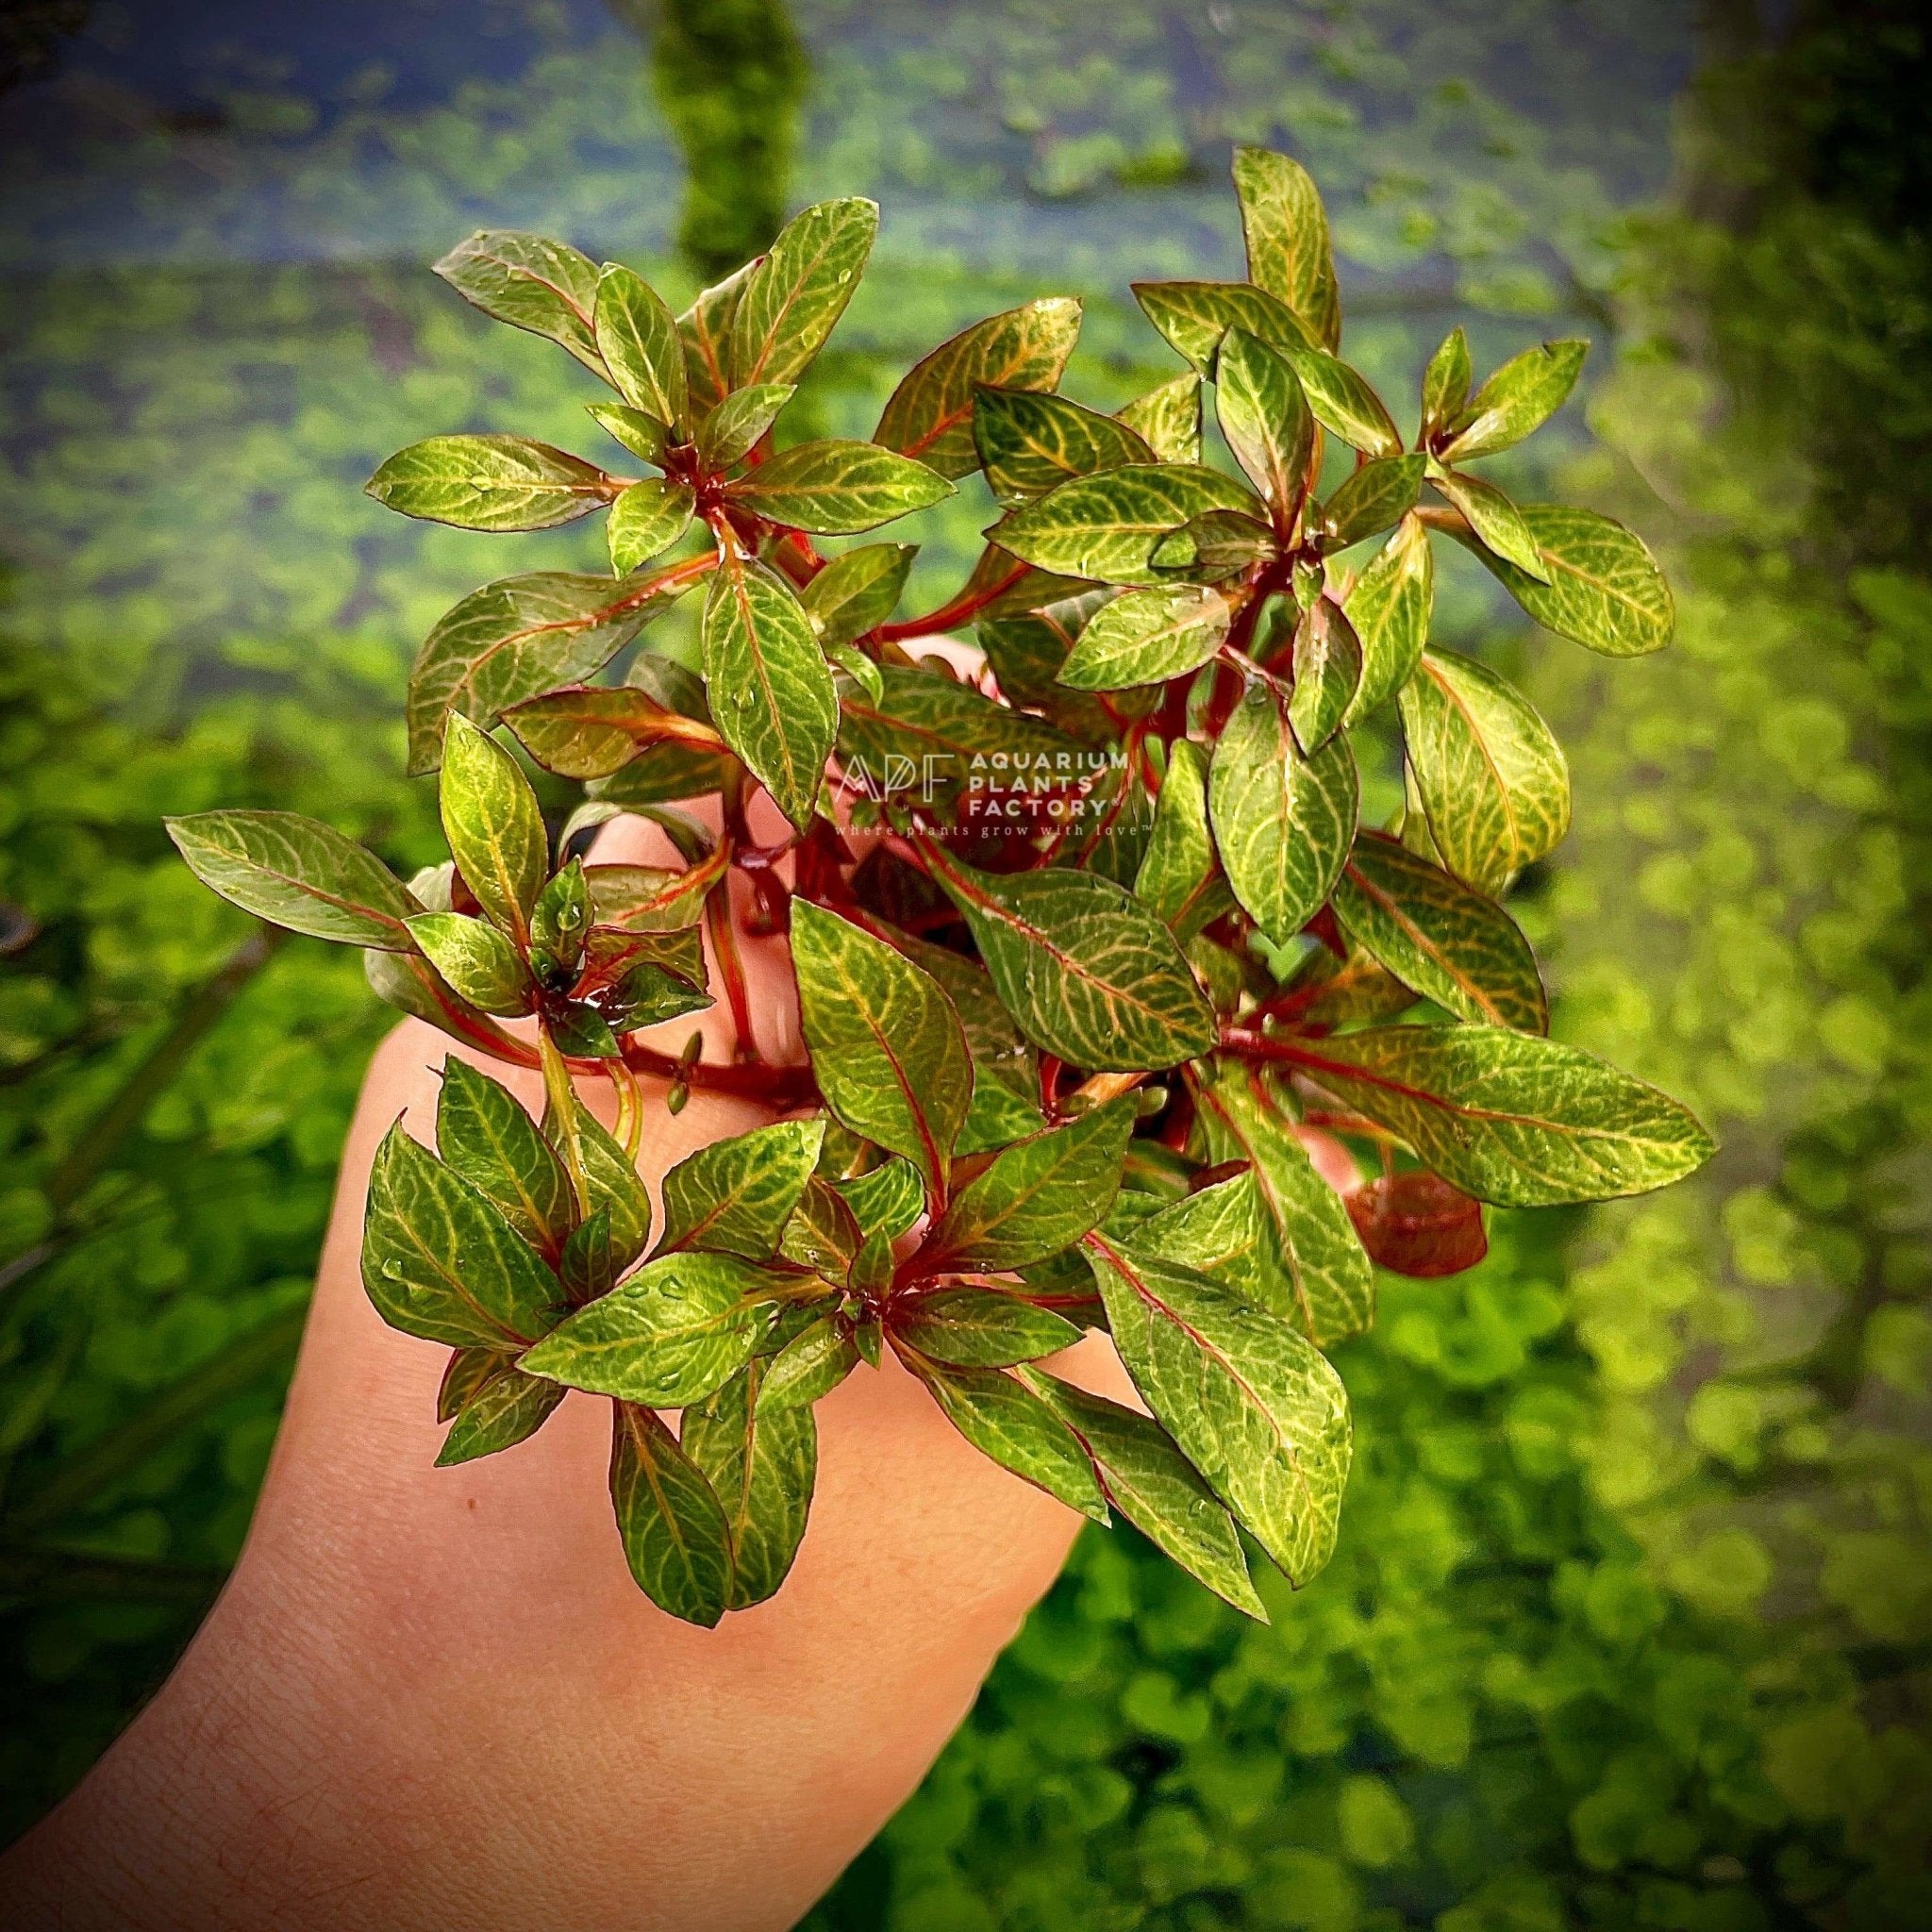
(647, 519)
(1327, 673)
(857, 590)
(1375, 497)
(823, 1233)
(888, 1199)
(531, 283)
(762, 1465)
(1388, 608)
(1153, 1485)
(615, 1187)
(1509, 1117)
(476, 962)
(1147, 637)
(1219, 1231)
(641, 435)
(1445, 383)
(592, 730)
(1012, 1426)
(1213, 546)
(703, 331)
(664, 774)
(494, 824)
(1519, 397)
(1037, 1196)
(886, 1044)
(675, 1538)
(1085, 969)
(729, 434)
(1604, 587)
(1194, 316)
(466, 1371)
(560, 921)
(735, 1196)
(440, 1259)
(1180, 878)
(505, 1408)
(298, 872)
(637, 341)
(835, 488)
(1264, 416)
(1282, 821)
(976, 1328)
(1027, 651)
(809, 1366)
(1287, 236)
(513, 640)
(1492, 775)
(1450, 944)
(797, 292)
(1313, 1259)
(930, 414)
(666, 1335)
(490, 483)
(1029, 443)
(1500, 527)
(408, 982)
(771, 689)
(1169, 419)
(1107, 527)
(1344, 403)
(1250, 1403)
(652, 898)
(483, 1132)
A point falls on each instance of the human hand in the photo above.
(432, 1698)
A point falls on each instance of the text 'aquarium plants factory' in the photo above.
(1117, 1013)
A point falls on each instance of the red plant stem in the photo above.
(948, 616)
(730, 967)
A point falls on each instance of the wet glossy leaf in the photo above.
(1036, 1197)
(531, 283)
(1492, 775)
(667, 1335)
(560, 921)
(675, 1538)
(1604, 587)
(637, 341)
(298, 872)
(1314, 1271)
(484, 1133)
(1030, 443)
(770, 690)
(704, 331)
(1416, 1223)
(1264, 416)
(1499, 525)
(1181, 877)
(1519, 397)
(836, 488)
(857, 590)
(888, 1199)
(1250, 1402)
(1389, 608)
(1012, 1426)
(641, 435)
(1327, 673)
(888, 1048)
(591, 730)
(1085, 970)
(440, 1259)
(1217, 1230)
(1344, 402)
(762, 1465)
(811, 1365)
(490, 483)
(735, 1196)
(494, 824)
(1287, 234)
(1509, 1117)
(1194, 316)
(1213, 546)
(930, 414)
(1282, 821)
(651, 898)
(1455, 946)
(976, 1328)
(798, 291)
(647, 519)
(507, 1407)
(513, 640)
(466, 1371)
(1169, 418)
(823, 1233)
(730, 432)
(1147, 637)
(1372, 498)
(1148, 1480)
(1445, 383)
(1107, 527)
(476, 961)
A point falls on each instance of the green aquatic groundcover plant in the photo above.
(1109, 995)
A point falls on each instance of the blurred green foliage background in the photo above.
(1630, 1624)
